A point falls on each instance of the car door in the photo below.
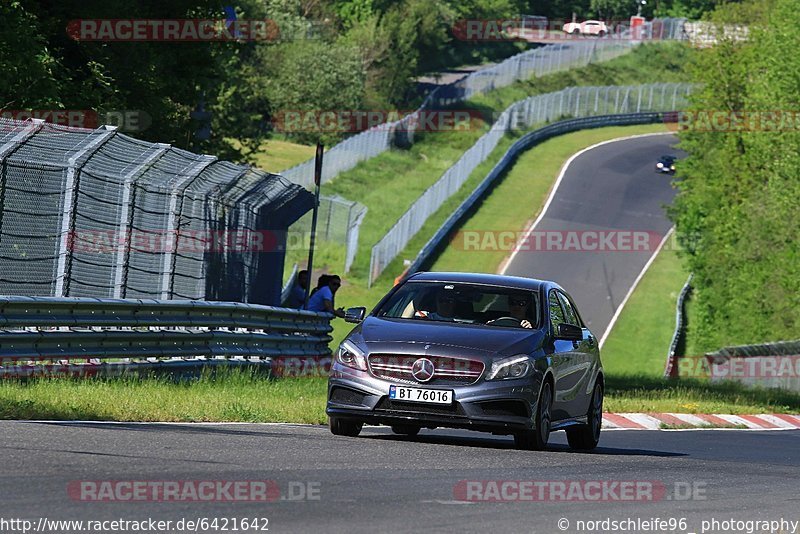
(561, 358)
(581, 365)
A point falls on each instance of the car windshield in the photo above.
(463, 303)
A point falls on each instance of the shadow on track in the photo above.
(508, 444)
(188, 428)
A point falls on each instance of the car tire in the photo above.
(344, 427)
(536, 439)
(405, 430)
(586, 437)
(601, 33)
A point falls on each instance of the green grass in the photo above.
(242, 397)
(233, 396)
(640, 340)
(276, 155)
(645, 393)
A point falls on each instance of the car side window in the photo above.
(569, 311)
(556, 313)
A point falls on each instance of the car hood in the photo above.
(411, 337)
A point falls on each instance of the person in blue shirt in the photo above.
(322, 299)
(297, 296)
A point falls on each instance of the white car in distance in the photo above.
(587, 27)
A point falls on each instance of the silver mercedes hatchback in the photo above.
(493, 353)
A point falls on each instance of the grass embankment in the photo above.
(245, 398)
(638, 343)
(232, 396)
(277, 155)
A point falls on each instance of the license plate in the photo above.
(434, 396)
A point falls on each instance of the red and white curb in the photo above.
(669, 421)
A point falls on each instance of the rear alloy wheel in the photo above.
(585, 437)
(405, 430)
(344, 427)
(536, 439)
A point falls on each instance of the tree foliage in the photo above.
(330, 54)
(738, 207)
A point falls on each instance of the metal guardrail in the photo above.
(37, 329)
(671, 368)
(524, 143)
(766, 365)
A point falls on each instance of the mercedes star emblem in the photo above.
(422, 370)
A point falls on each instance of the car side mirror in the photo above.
(355, 315)
(570, 332)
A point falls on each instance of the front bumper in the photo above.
(502, 406)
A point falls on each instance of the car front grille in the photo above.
(447, 370)
(388, 405)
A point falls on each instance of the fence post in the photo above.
(179, 188)
(71, 185)
(126, 220)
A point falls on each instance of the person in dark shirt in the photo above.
(297, 296)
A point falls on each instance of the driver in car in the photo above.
(518, 308)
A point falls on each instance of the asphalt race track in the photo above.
(439, 481)
(610, 188)
(379, 482)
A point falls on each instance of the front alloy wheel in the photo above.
(586, 437)
(536, 439)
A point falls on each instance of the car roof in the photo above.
(483, 278)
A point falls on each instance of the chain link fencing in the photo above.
(338, 222)
(95, 213)
(540, 109)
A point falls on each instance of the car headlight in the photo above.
(518, 366)
(659, 164)
(351, 356)
(672, 167)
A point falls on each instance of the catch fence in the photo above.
(95, 213)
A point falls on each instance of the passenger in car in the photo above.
(445, 308)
